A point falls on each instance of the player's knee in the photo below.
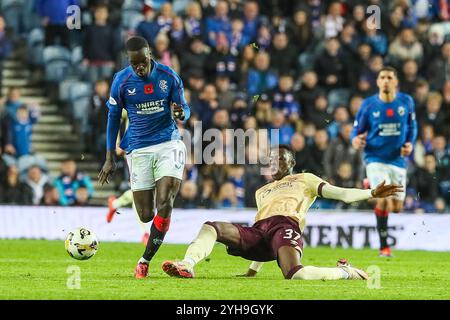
(165, 205)
(145, 215)
(216, 226)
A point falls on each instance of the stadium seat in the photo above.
(36, 46)
(12, 11)
(135, 5)
(131, 19)
(80, 100)
(64, 88)
(57, 62)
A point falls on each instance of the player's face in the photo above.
(281, 163)
(387, 82)
(140, 61)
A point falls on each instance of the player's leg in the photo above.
(202, 246)
(377, 173)
(166, 191)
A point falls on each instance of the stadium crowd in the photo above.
(302, 67)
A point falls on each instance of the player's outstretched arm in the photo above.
(349, 195)
(253, 269)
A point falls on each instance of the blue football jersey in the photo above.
(388, 125)
(148, 104)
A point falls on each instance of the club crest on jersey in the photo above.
(376, 114)
(401, 110)
(131, 92)
(163, 85)
(148, 88)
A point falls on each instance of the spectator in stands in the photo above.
(302, 33)
(13, 191)
(349, 40)
(320, 115)
(227, 198)
(264, 37)
(21, 127)
(37, 181)
(330, 66)
(405, 46)
(251, 20)
(283, 98)
(261, 78)
(163, 53)
(393, 23)
(438, 70)
(165, 18)
(354, 105)
(193, 61)
(206, 194)
(285, 131)
(225, 91)
(238, 39)
(13, 101)
(302, 156)
(426, 183)
(340, 151)
(187, 198)
(360, 63)
(219, 23)
(433, 114)
(375, 38)
(420, 95)
(148, 28)
(178, 37)
(235, 175)
(283, 55)
(221, 61)
(263, 110)
(101, 46)
(193, 23)
(69, 181)
(54, 17)
(409, 77)
(51, 196)
(317, 152)
(98, 116)
(81, 197)
(208, 105)
(340, 118)
(333, 21)
(239, 112)
(308, 92)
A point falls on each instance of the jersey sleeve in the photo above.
(177, 96)
(115, 106)
(411, 134)
(361, 123)
(314, 184)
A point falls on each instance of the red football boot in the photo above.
(177, 269)
(111, 211)
(385, 252)
(141, 271)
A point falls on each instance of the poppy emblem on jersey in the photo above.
(163, 85)
(401, 110)
(148, 88)
(390, 113)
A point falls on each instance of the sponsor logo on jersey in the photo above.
(150, 107)
(112, 101)
(401, 110)
(389, 129)
(163, 85)
(131, 92)
(376, 114)
(148, 88)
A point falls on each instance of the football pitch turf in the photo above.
(38, 269)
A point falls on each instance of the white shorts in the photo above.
(377, 172)
(148, 165)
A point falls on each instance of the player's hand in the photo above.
(108, 169)
(384, 190)
(177, 111)
(359, 142)
(120, 152)
(250, 273)
(406, 150)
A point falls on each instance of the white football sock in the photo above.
(315, 273)
(202, 245)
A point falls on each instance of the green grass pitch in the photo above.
(37, 269)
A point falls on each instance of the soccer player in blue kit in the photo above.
(153, 96)
(386, 129)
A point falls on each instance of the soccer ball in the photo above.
(81, 244)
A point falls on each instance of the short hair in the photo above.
(390, 69)
(286, 147)
(136, 43)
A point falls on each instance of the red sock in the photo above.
(381, 213)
